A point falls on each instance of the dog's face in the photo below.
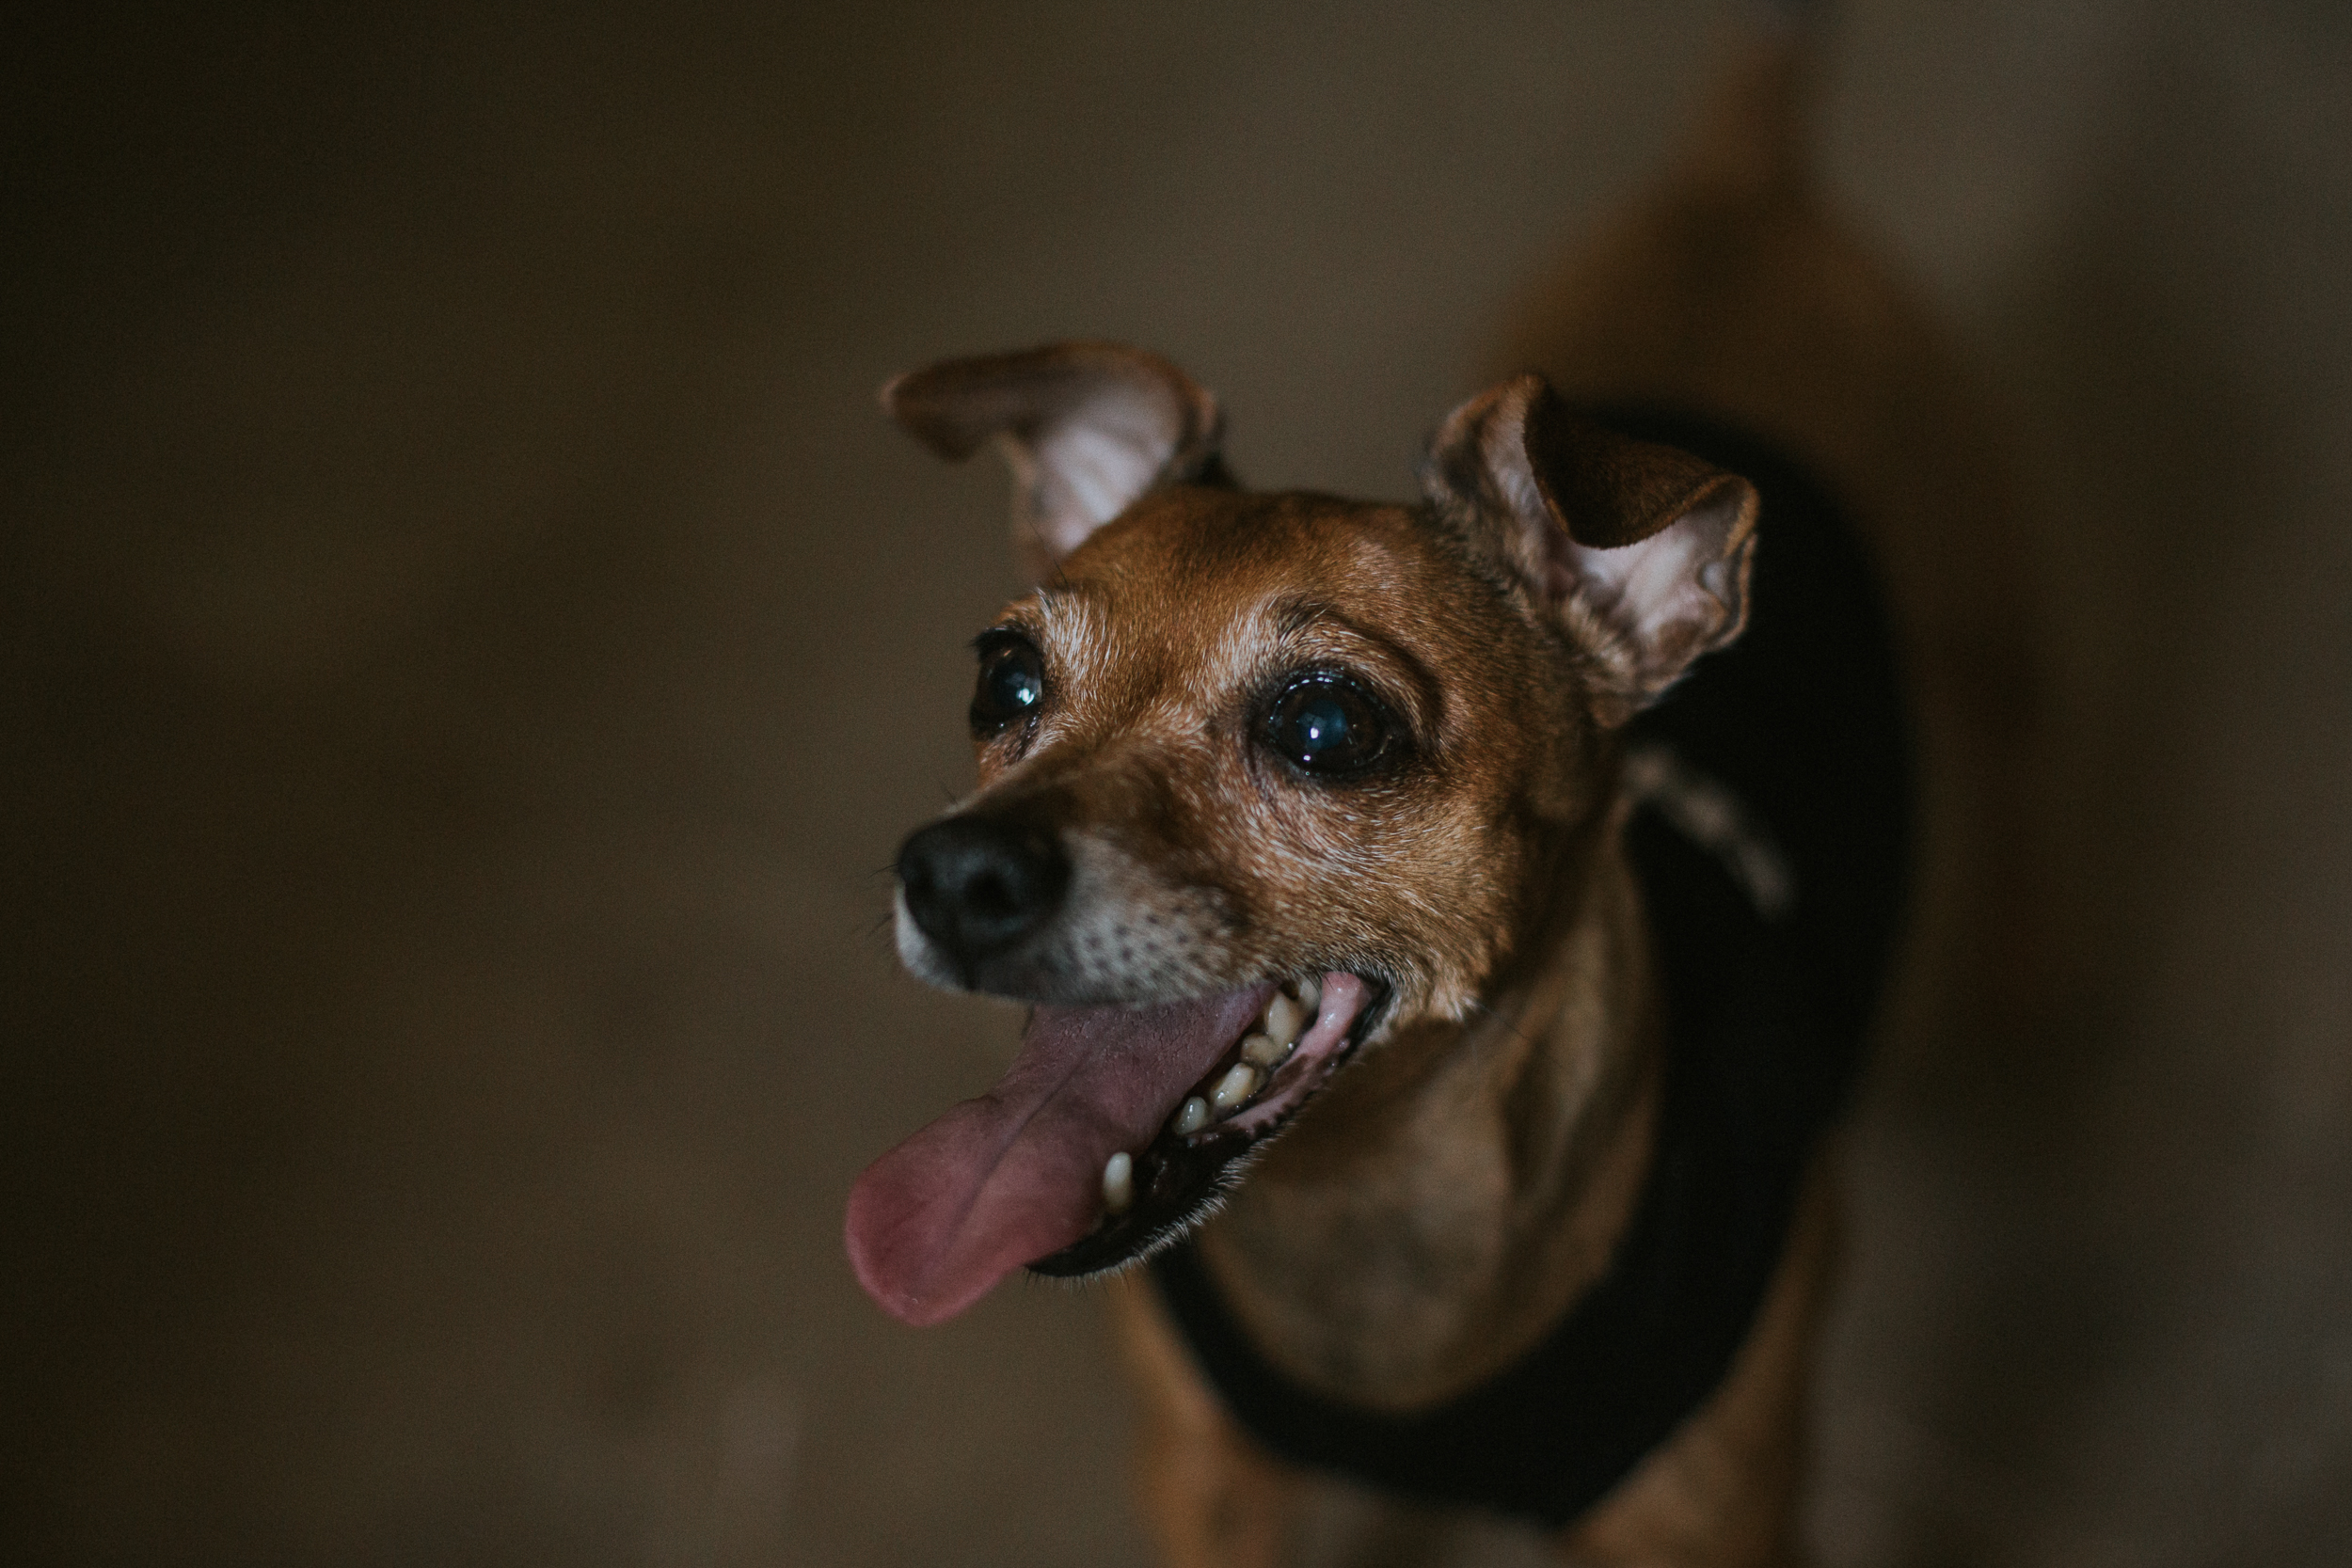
(1260, 776)
(1269, 736)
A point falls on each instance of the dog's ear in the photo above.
(1642, 550)
(1087, 427)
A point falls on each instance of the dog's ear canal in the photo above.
(1088, 428)
(1642, 550)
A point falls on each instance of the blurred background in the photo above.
(470, 646)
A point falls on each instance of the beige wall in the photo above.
(471, 645)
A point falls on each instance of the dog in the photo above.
(1529, 858)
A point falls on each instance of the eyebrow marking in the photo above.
(1292, 618)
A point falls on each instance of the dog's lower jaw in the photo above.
(1462, 1184)
(1183, 1175)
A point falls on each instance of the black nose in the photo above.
(979, 884)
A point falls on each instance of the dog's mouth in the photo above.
(1113, 1134)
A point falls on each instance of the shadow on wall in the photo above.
(2138, 1185)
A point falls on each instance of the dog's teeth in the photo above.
(1119, 1183)
(1310, 995)
(1239, 1083)
(1284, 1017)
(1263, 1051)
(1192, 1116)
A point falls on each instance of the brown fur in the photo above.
(1452, 1193)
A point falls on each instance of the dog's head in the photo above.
(1261, 777)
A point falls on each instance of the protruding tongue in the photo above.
(1016, 1175)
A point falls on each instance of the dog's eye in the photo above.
(1325, 724)
(1011, 684)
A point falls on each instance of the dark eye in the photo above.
(1011, 684)
(1325, 724)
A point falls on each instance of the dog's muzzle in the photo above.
(977, 884)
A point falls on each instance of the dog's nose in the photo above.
(979, 884)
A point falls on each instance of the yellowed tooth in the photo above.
(1119, 1183)
(1192, 1116)
(1239, 1083)
(1263, 1051)
(1284, 1019)
(1310, 995)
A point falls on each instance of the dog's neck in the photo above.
(1458, 1187)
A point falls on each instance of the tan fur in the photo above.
(1453, 1192)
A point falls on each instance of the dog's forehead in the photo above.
(1197, 591)
(1190, 561)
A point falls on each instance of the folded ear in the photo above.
(1087, 427)
(1642, 550)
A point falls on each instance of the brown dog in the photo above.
(1388, 828)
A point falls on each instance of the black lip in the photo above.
(1179, 1180)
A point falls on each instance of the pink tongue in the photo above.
(1016, 1175)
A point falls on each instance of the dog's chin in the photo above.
(1180, 1178)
